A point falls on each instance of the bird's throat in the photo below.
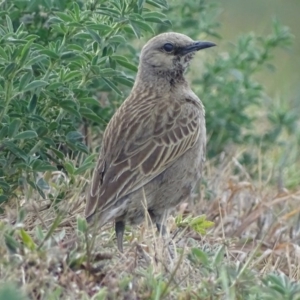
(161, 78)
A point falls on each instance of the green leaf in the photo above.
(89, 114)
(58, 153)
(96, 37)
(9, 24)
(126, 65)
(27, 134)
(15, 150)
(77, 11)
(3, 132)
(14, 127)
(34, 85)
(53, 126)
(100, 27)
(200, 256)
(135, 30)
(3, 54)
(25, 52)
(43, 167)
(50, 53)
(89, 100)
(71, 75)
(112, 86)
(4, 185)
(75, 47)
(48, 141)
(9, 69)
(35, 60)
(108, 72)
(74, 136)
(141, 4)
(11, 243)
(39, 233)
(83, 168)
(81, 147)
(27, 240)
(95, 58)
(42, 131)
(54, 226)
(117, 39)
(108, 12)
(219, 257)
(124, 80)
(82, 35)
(3, 198)
(90, 158)
(55, 86)
(75, 25)
(32, 104)
(35, 163)
(65, 17)
(25, 78)
(154, 20)
(143, 25)
(41, 183)
(158, 3)
(21, 215)
(69, 167)
(68, 55)
(200, 224)
(119, 57)
(81, 225)
(37, 118)
(70, 107)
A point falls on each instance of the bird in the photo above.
(153, 149)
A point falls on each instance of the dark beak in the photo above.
(196, 46)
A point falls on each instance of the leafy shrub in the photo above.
(55, 58)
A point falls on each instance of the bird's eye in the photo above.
(168, 47)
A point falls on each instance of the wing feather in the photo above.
(142, 140)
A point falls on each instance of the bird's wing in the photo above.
(140, 142)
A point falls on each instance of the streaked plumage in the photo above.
(154, 146)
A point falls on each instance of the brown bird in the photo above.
(153, 148)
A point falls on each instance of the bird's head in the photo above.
(170, 53)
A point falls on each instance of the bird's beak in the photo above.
(196, 46)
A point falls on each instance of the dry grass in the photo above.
(255, 232)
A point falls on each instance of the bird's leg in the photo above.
(161, 228)
(120, 228)
(159, 222)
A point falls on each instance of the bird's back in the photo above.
(144, 138)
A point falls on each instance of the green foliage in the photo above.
(281, 287)
(230, 89)
(56, 57)
(199, 224)
(232, 281)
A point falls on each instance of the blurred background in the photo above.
(239, 17)
(282, 80)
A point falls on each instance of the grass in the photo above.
(251, 252)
